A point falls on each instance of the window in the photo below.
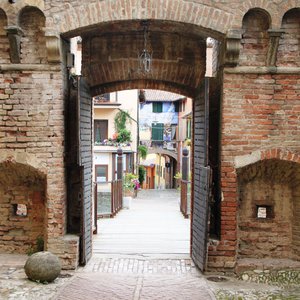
(157, 131)
(101, 173)
(100, 131)
(157, 107)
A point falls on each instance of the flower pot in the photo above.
(126, 202)
(129, 193)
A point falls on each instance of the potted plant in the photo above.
(130, 186)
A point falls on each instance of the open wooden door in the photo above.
(201, 178)
(79, 165)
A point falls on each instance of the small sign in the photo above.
(262, 212)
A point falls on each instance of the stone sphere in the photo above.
(42, 266)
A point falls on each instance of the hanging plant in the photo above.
(143, 151)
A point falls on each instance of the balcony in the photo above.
(111, 146)
(104, 101)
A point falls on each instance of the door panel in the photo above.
(79, 165)
(201, 176)
(86, 161)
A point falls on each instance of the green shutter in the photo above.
(158, 132)
(157, 107)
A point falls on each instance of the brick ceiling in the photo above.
(110, 56)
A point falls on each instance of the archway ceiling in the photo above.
(110, 56)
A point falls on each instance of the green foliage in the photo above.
(142, 174)
(143, 151)
(39, 246)
(128, 182)
(120, 120)
(124, 136)
(178, 175)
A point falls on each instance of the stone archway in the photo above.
(259, 99)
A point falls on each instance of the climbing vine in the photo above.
(121, 119)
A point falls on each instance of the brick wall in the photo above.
(32, 132)
(271, 184)
(259, 112)
(22, 206)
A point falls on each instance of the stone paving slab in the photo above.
(140, 266)
(87, 286)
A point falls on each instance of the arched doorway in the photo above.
(259, 80)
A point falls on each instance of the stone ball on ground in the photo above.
(42, 266)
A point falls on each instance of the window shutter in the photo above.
(157, 132)
(157, 107)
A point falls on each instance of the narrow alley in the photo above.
(152, 225)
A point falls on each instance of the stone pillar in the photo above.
(14, 34)
(120, 164)
(275, 36)
(185, 164)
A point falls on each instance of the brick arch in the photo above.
(4, 50)
(27, 159)
(255, 37)
(280, 154)
(288, 7)
(13, 10)
(142, 84)
(276, 10)
(163, 152)
(273, 153)
(261, 11)
(23, 206)
(215, 19)
(32, 21)
(32, 9)
(17, 172)
(288, 50)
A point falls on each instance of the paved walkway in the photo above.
(152, 225)
(128, 268)
(143, 253)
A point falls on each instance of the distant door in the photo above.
(79, 165)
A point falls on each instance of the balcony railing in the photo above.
(109, 197)
(185, 198)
